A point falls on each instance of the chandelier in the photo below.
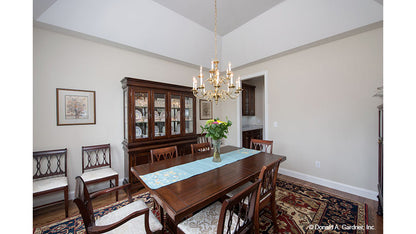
(233, 87)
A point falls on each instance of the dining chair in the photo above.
(96, 165)
(200, 148)
(163, 153)
(202, 138)
(134, 217)
(262, 145)
(268, 176)
(232, 216)
(157, 155)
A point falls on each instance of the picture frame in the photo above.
(75, 107)
(205, 109)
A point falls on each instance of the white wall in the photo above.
(62, 61)
(322, 100)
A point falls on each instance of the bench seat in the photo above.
(98, 174)
(42, 185)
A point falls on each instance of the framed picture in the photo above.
(75, 107)
(205, 109)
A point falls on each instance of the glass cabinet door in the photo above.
(141, 108)
(160, 115)
(189, 112)
(175, 107)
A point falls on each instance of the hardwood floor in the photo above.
(47, 215)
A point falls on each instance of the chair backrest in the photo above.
(202, 138)
(49, 163)
(262, 145)
(246, 213)
(84, 203)
(96, 156)
(201, 147)
(268, 176)
(163, 153)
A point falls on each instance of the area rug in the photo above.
(301, 209)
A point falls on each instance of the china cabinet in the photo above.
(156, 115)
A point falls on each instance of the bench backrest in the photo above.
(49, 163)
(96, 156)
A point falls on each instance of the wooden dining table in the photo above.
(185, 197)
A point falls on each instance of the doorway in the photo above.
(255, 120)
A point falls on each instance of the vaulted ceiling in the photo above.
(183, 30)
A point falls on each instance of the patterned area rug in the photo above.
(300, 210)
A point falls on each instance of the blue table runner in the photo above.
(174, 174)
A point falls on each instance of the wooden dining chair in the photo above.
(131, 218)
(199, 148)
(163, 153)
(268, 176)
(216, 217)
(262, 145)
(157, 155)
(202, 138)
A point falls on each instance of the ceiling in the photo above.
(230, 13)
(183, 29)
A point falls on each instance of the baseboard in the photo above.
(331, 184)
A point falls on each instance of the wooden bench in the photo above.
(50, 175)
(96, 165)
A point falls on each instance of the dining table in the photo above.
(182, 197)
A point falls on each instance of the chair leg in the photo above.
(162, 216)
(274, 212)
(66, 201)
(116, 182)
(158, 207)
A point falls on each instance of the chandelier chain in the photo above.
(215, 30)
(215, 80)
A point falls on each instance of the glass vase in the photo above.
(216, 144)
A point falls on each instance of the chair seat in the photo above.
(42, 185)
(239, 189)
(135, 225)
(206, 221)
(98, 174)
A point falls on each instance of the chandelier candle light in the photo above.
(233, 86)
